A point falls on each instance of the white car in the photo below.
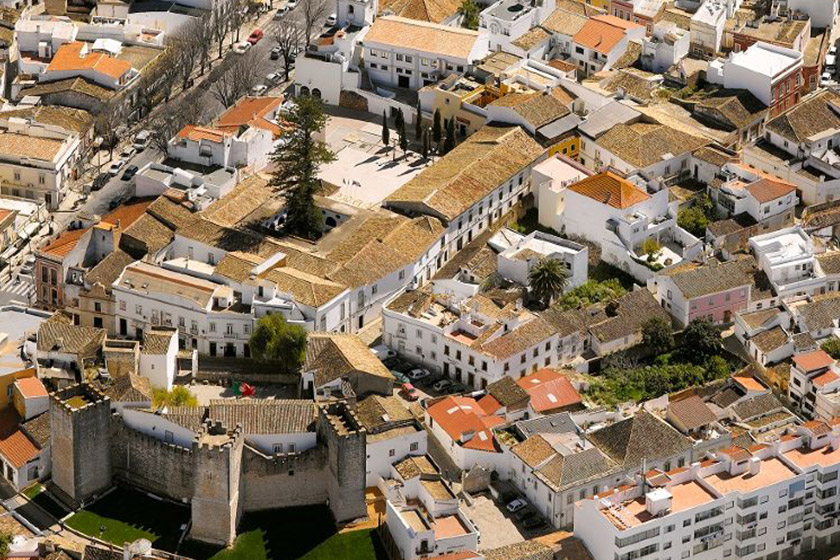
(331, 20)
(273, 78)
(833, 51)
(241, 47)
(383, 352)
(291, 4)
(259, 90)
(418, 373)
(516, 505)
(826, 79)
(128, 153)
(115, 167)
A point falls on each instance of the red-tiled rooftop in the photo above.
(771, 471)
(449, 526)
(685, 495)
(31, 387)
(549, 389)
(18, 449)
(64, 243)
(749, 383)
(803, 457)
(458, 416)
(824, 379)
(814, 360)
(463, 337)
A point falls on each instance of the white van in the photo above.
(142, 140)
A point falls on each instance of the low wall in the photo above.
(284, 481)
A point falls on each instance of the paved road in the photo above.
(13, 290)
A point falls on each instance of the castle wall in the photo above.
(284, 481)
(149, 463)
(345, 439)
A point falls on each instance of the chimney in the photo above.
(755, 465)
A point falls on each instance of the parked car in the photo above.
(408, 392)
(525, 513)
(115, 167)
(418, 373)
(256, 36)
(833, 50)
(383, 352)
(281, 13)
(274, 78)
(275, 53)
(825, 79)
(534, 522)
(100, 181)
(291, 4)
(442, 385)
(259, 90)
(331, 20)
(28, 265)
(241, 48)
(142, 140)
(831, 61)
(130, 172)
(400, 376)
(516, 505)
(455, 388)
(128, 153)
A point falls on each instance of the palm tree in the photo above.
(547, 279)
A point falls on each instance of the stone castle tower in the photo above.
(346, 440)
(216, 506)
(80, 419)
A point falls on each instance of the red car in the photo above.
(255, 37)
(408, 392)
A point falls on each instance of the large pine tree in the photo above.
(297, 159)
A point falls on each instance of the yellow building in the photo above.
(460, 98)
(568, 146)
(6, 382)
(600, 4)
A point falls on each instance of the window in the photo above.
(278, 448)
(413, 446)
(391, 453)
(168, 436)
(122, 305)
(212, 327)
(138, 309)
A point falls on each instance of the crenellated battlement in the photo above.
(80, 398)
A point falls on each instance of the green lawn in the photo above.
(33, 491)
(355, 545)
(128, 515)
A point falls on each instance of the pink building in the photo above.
(714, 291)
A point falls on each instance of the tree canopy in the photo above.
(657, 335)
(297, 159)
(832, 347)
(701, 341)
(546, 279)
(469, 11)
(177, 396)
(277, 341)
(591, 292)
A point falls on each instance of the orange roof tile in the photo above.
(31, 387)
(814, 360)
(128, 213)
(75, 56)
(462, 417)
(748, 382)
(766, 190)
(603, 33)
(818, 427)
(64, 243)
(824, 379)
(549, 389)
(609, 188)
(250, 111)
(489, 404)
(198, 133)
(18, 449)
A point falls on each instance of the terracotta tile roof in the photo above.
(18, 449)
(519, 339)
(264, 417)
(534, 37)
(199, 133)
(131, 388)
(38, 429)
(759, 405)
(251, 111)
(602, 33)
(821, 312)
(825, 378)
(465, 422)
(128, 213)
(74, 85)
(412, 467)
(735, 108)
(31, 387)
(692, 412)
(489, 404)
(565, 22)
(307, 289)
(22, 145)
(549, 389)
(766, 190)
(813, 115)
(564, 471)
(644, 144)
(468, 173)
(699, 281)
(334, 355)
(525, 550)
(817, 427)
(109, 269)
(642, 437)
(73, 120)
(609, 188)
(64, 243)
(771, 339)
(422, 36)
(507, 393)
(830, 262)
(812, 361)
(749, 383)
(537, 109)
(75, 57)
(376, 412)
(433, 11)
(59, 334)
(534, 451)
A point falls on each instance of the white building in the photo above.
(601, 41)
(406, 53)
(442, 333)
(505, 21)
(814, 385)
(707, 26)
(515, 262)
(665, 47)
(765, 199)
(821, 12)
(771, 73)
(422, 513)
(747, 503)
(38, 40)
(466, 433)
(549, 181)
(210, 146)
(620, 217)
(789, 259)
(158, 359)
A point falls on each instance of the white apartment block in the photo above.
(765, 199)
(789, 259)
(507, 20)
(406, 53)
(766, 502)
(707, 26)
(37, 162)
(665, 47)
(442, 333)
(814, 385)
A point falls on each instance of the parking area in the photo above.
(496, 525)
(427, 384)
